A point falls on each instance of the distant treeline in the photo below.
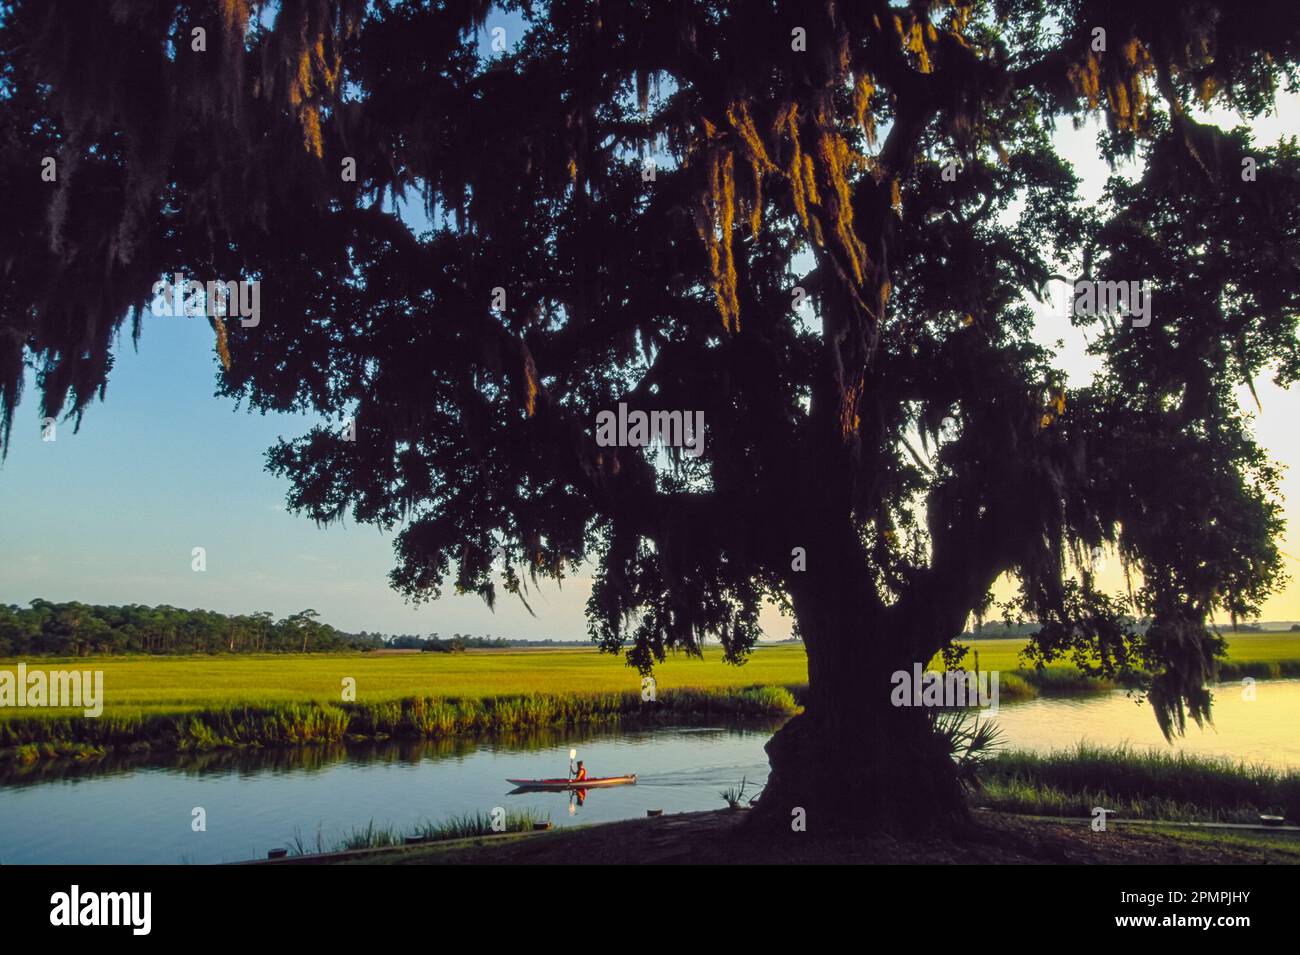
(76, 629)
(1000, 630)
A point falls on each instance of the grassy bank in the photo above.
(720, 838)
(1261, 648)
(142, 685)
(191, 704)
(1156, 787)
(295, 724)
(1136, 785)
(372, 836)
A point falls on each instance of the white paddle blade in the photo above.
(573, 754)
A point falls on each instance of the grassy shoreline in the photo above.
(372, 837)
(1134, 786)
(196, 704)
(59, 734)
(720, 838)
(173, 684)
(25, 740)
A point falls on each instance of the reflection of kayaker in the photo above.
(577, 796)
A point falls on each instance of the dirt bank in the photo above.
(721, 837)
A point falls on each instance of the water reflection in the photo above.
(126, 811)
(318, 757)
(1256, 723)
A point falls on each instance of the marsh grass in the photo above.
(202, 704)
(1137, 784)
(1259, 669)
(1037, 800)
(1064, 681)
(372, 836)
(167, 685)
(472, 824)
(28, 739)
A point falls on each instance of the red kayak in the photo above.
(589, 783)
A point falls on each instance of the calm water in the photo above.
(124, 812)
(256, 802)
(1263, 730)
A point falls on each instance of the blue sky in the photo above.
(111, 515)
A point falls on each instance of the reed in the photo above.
(372, 836)
(26, 739)
(1140, 784)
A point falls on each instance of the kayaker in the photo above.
(581, 773)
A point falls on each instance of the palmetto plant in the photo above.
(734, 796)
(969, 741)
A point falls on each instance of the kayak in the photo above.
(574, 783)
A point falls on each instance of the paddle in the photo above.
(573, 770)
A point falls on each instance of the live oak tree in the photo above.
(874, 461)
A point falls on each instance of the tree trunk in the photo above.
(853, 760)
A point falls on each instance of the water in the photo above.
(254, 802)
(1263, 730)
(129, 811)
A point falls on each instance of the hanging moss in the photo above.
(223, 346)
(530, 376)
(1121, 79)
